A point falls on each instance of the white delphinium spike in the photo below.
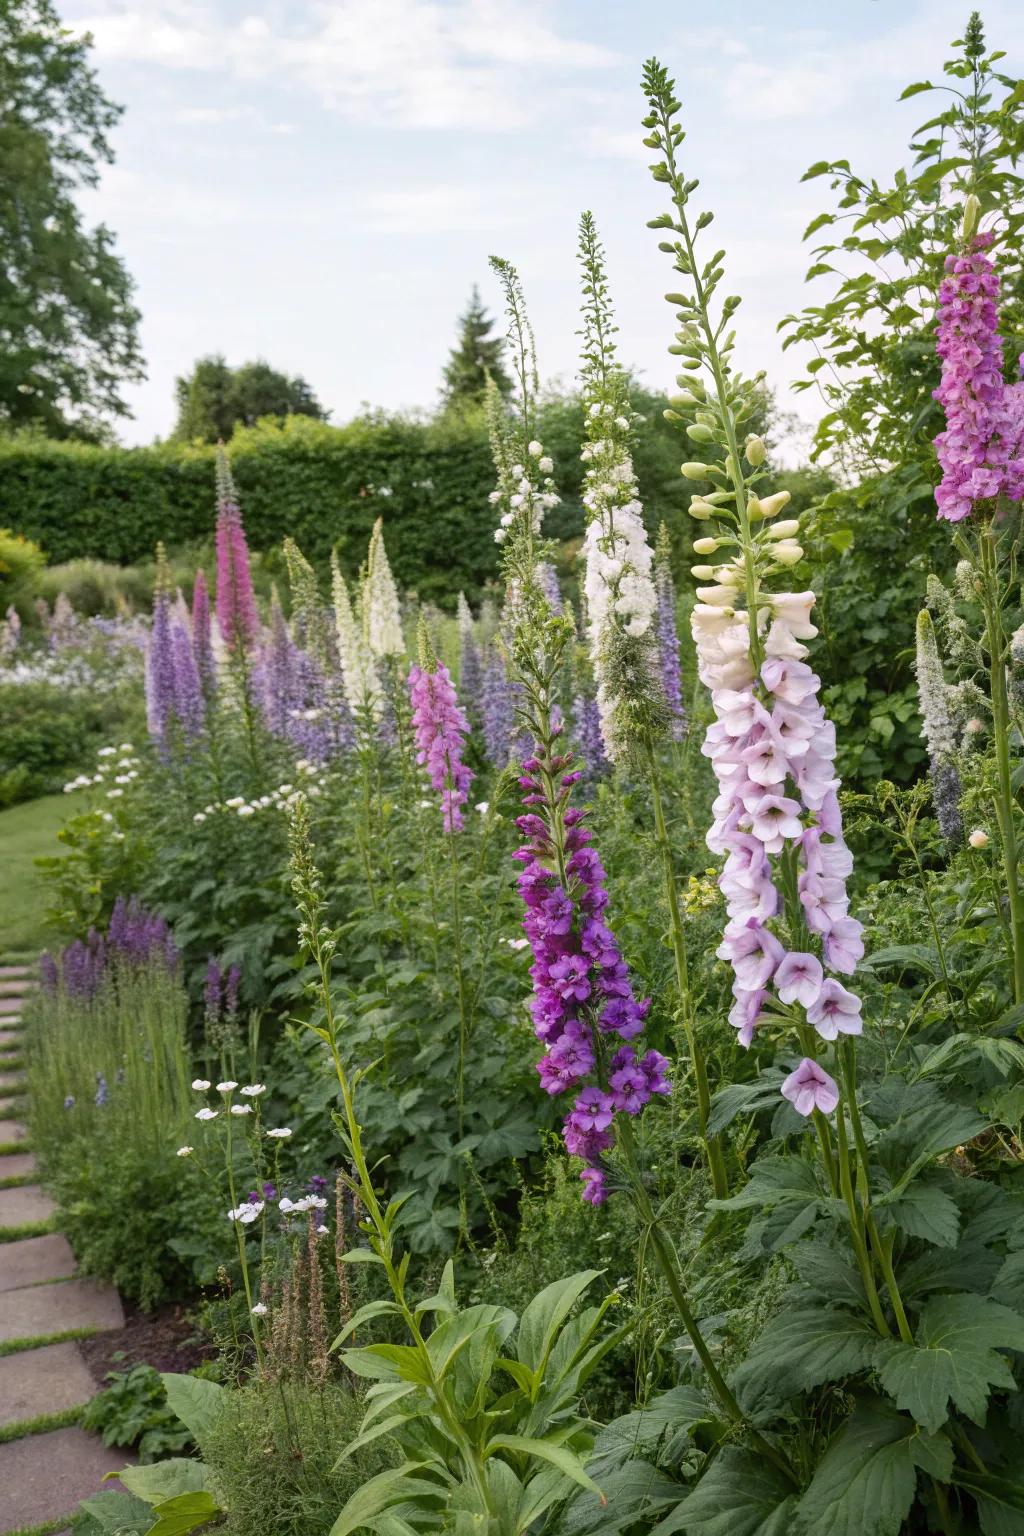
(940, 730)
(382, 614)
(620, 593)
(358, 674)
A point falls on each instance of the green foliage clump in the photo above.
(132, 1411)
(214, 399)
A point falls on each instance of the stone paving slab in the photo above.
(27, 1202)
(12, 1130)
(11, 1020)
(46, 1476)
(11, 1005)
(17, 1165)
(7, 972)
(44, 1309)
(9, 1038)
(35, 1261)
(15, 986)
(11, 1083)
(45, 1380)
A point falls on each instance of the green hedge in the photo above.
(323, 485)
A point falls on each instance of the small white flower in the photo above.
(106, 752)
(185, 1151)
(199, 816)
(235, 802)
(125, 746)
(246, 810)
(321, 1231)
(227, 1087)
(483, 806)
(113, 794)
(241, 1109)
(247, 1212)
(200, 1084)
(122, 778)
(260, 1309)
(285, 789)
(107, 816)
(518, 943)
(979, 838)
(253, 1090)
(282, 1133)
(974, 726)
(534, 449)
(207, 1114)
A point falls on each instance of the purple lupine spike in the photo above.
(586, 722)
(231, 985)
(441, 728)
(49, 973)
(583, 994)
(202, 637)
(276, 679)
(668, 644)
(160, 689)
(981, 452)
(236, 601)
(116, 928)
(189, 702)
(497, 708)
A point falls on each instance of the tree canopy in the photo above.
(68, 325)
(214, 399)
(476, 354)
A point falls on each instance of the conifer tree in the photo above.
(477, 354)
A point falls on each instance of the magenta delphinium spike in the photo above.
(441, 728)
(669, 668)
(202, 639)
(981, 452)
(236, 601)
(583, 1000)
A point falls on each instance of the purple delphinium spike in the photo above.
(497, 708)
(202, 637)
(981, 452)
(160, 671)
(236, 601)
(583, 1000)
(441, 727)
(231, 984)
(547, 580)
(586, 729)
(668, 643)
(189, 703)
(49, 973)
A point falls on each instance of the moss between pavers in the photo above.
(46, 1529)
(16, 1180)
(28, 1229)
(64, 1418)
(10, 1148)
(40, 1341)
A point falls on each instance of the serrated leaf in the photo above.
(383, 1492)
(184, 1513)
(559, 1456)
(741, 1494)
(927, 1212)
(197, 1403)
(864, 1484)
(163, 1480)
(916, 89)
(802, 1349)
(1000, 1501)
(633, 1492)
(953, 1359)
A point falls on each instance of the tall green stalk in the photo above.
(1005, 802)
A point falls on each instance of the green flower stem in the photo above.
(254, 1322)
(460, 976)
(668, 1263)
(857, 1230)
(1005, 803)
(712, 1144)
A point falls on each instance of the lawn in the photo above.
(26, 832)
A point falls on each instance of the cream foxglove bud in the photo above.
(972, 208)
(705, 546)
(701, 510)
(784, 530)
(754, 451)
(694, 471)
(703, 572)
(979, 838)
(787, 553)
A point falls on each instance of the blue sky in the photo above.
(320, 182)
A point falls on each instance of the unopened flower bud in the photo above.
(754, 451)
(785, 529)
(972, 208)
(700, 509)
(771, 506)
(705, 546)
(787, 553)
(694, 471)
(703, 572)
(979, 838)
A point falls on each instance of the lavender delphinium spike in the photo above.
(202, 637)
(497, 708)
(586, 724)
(668, 637)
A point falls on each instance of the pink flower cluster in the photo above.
(773, 752)
(982, 449)
(441, 729)
(583, 994)
(236, 603)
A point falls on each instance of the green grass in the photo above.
(40, 1341)
(47, 1528)
(64, 1418)
(28, 1229)
(8, 1148)
(15, 1180)
(26, 832)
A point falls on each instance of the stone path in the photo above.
(43, 1475)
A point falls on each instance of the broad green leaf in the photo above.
(559, 1456)
(634, 1492)
(367, 1435)
(864, 1483)
(365, 1314)
(927, 1212)
(743, 1099)
(545, 1315)
(118, 1514)
(954, 1358)
(163, 1479)
(183, 1513)
(197, 1403)
(1000, 1501)
(741, 1494)
(916, 89)
(387, 1362)
(922, 957)
(772, 1181)
(802, 1349)
(451, 1336)
(395, 1486)
(1008, 1285)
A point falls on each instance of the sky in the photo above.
(320, 182)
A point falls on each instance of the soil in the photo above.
(169, 1339)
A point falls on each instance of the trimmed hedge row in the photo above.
(323, 485)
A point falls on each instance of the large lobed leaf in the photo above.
(954, 1358)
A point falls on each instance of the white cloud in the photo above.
(414, 63)
(435, 209)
